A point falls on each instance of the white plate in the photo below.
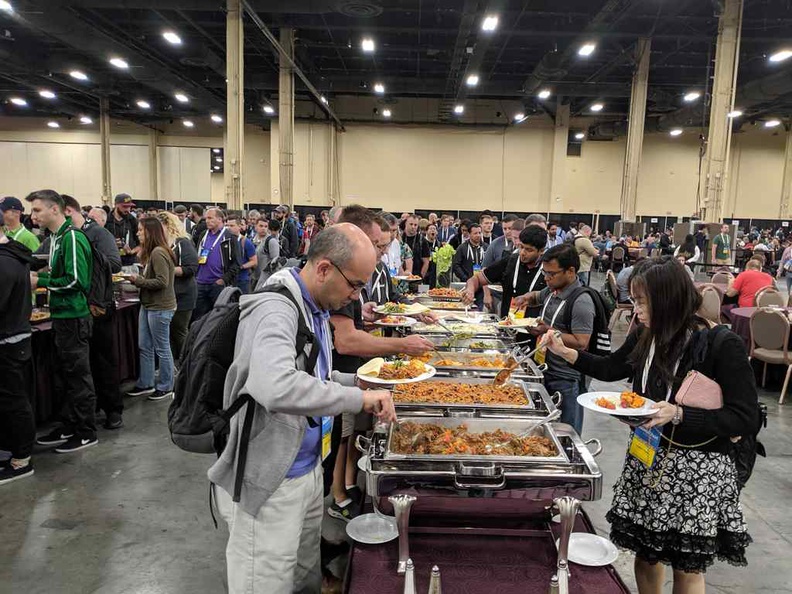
(412, 309)
(408, 279)
(372, 529)
(587, 401)
(430, 371)
(362, 463)
(590, 549)
(407, 322)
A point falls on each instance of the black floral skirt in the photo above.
(684, 512)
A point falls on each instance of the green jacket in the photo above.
(69, 279)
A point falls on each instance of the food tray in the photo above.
(446, 305)
(465, 361)
(461, 330)
(425, 297)
(473, 345)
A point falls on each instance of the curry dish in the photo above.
(444, 292)
(451, 393)
(420, 438)
(400, 370)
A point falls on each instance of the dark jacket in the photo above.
(124, 230)
(15, 299)
(229, 249)
(103, 242)
(197, 232)
(292, 237)
(184, 285)
(465, 258)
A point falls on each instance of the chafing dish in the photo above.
(446, 305)
(528, 370)
(457, 329)
(424, 297)
(474, 345)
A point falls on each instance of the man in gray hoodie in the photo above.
(275, 528)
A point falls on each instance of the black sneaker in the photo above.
(349, 512)
(161, 394)
(76, 443)
(355, 494)
(141, 392)
(113, 421)
(9, 474)
(55, 437)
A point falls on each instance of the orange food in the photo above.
(443, 292)
(399, 370)
(452, 393)
(394, 320)
(631, 400)
(605, 403)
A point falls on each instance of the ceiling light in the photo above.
(379, 88)
(86, 120)
(544, 94)
(120, 63)
(18, 101)
(735, 113)
(367, 45)
(4, 5)
(472, 80)
(323, 99)
(597, 107)
(188, 123)
(216, 168)
(269, 109)
(676, 132)
(53, 124)
(47, 94)
(580, 136)
(587, 49)
(692, 96)
(781, 56)
(217, 119)
(772, 123)
(218, 159)
(386, 113)
(172, 38)
(143, 104)
(182, 98)
(79, 75)
(459, 109)
(216, 151)
(490, 23)
(519, 117)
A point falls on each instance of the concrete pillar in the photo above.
(560, 141)
(104, 140)
(716, 166)
(286, 119)
(153, 168)
(235, 107)
(786, 187)
(635, 130)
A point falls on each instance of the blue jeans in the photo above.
(571, 411)
(207, 295)
(243, 286)
(584, 278)
(154, 338)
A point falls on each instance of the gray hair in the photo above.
(533, 219)
(332, 244)
(218, 211)
(253, 214)
(100, 214)
(584, 229)
(389, 218)
(334, 213)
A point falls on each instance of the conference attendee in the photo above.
(289, 232)
(554, 236)
(701, 239)
(123, 225)
(17, 427)
(248, 261)
(462, 235)
(560, 267)
(682, 508)
(184, 287)
(487, 222)
(586, 252)
(381, 288)
(689, 249)
(683, 262)
(518, 274)
(572, 233)
(310, 230)
(275, 527)
(721, 247)
(199, 223)
(503, 246)
(623, 283)
(100, 216)
(786, 262)
(446, 231)
(250, 229)
(398, 259)
(102, 349)
(11, 209)
(262, 231)
(468, 258)
(748, 282)
(157, 306)
(181, 212)
(434, 244)
(432, 218)
(324, 217)
(268, 253)
(218, 262)
(421, 252)
(68, 281)
(536, 219)
(666, 243)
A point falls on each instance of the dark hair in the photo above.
(197, 209)
(432, 225)
(262, 219)
(49, 196)
(565, 254)
(218, 211)
(534, 236)
(106, 208)
(673, 302)
(466, 223)
(154, 238)
(510, 218)
(485, 215)
(70, 202)
(275, 225)
(473, 226)
(518, 225)
(689, 247)
(359, 216)
(551, 224)
(234, 217)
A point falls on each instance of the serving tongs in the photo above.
(515, 361)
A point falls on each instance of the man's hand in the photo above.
(380, 403)
(415, 345)
(33, 281)
(539, 329)
(520, 301)
(488, 300)
(220, 282)
(429, 317)
(368, 311)
(468, 295)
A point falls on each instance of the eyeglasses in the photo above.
(551, 273)
(356, 287)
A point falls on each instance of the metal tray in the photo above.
(482, 330)
(450, 344)
(425, 297)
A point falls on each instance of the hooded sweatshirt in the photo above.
(15, 299)
(265, 367)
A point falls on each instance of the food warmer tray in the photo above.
(573, 471)
(465, 331)
(538, 402)
(424, 297)
(528, 370)
(489, 344)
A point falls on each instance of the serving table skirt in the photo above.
(504, 556)
(46, 395)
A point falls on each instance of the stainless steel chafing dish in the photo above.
(457, 329)
(424, 297)
(474, 345)
(528, 370)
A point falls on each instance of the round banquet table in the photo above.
(741, 322)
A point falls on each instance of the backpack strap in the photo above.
(570, 303)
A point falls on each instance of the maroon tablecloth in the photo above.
(480, 560)
(46, 394)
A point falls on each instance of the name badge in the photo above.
(203, 256)
(476, 268)
(327, 431)
(644, 444)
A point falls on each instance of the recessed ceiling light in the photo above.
(143, 104)
(691, 96)
(784, 54)
(269, 109)
(216, 167)
(367, 45)
(386, 113)
(120, 63)
(580, 135)
(47, 94)
(18, 101)
(6, 6)
(323, 99)
(676, 132)
(182, 98)
(216, 151)
(735, 113)
(459, 109)
(86, 120)
(490, 23)
(218, 160)
(172, 38)
(597, 107)
(587, 49)
(544, 94)
(188, 123)
(53, 124)
(79, 75)
(519, 117)
(217, 119)
(472, 80)
(379, 88)
(772, 123)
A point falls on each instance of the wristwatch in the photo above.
(677, 419)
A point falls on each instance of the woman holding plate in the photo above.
(677, 500)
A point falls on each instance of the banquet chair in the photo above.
(722, 278)
(621, 308)
(769, 296)
(711, 301)
(618, 257)
(770, 342)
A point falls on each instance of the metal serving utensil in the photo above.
(505, 373)
(548, 419)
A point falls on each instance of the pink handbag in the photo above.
(699, 391)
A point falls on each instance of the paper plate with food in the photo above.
(620, 404)
(403, 309)
(410, 278)
(512, 322)
(398, 371)
(395, 321)
(445, 293)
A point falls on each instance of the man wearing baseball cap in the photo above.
(288, 231)
(12, 210)
(123, 226)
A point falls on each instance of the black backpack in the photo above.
(600, 343)
(196, 419)
(101, 292)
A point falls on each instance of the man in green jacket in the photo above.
(68, 281)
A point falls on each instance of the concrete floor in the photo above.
(131, 515)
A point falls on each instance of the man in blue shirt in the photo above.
(247, 253)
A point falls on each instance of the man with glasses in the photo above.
(560, 266)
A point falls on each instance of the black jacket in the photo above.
(292, 237)
(229, 249)
(465, 258)
(198, 231)
(124, 230)
(15, 298)
(102, 241)
(184, 286)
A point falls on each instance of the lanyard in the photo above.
(377, 287)
(648, 365)
(218, 238)
(533, 282)
(557, 311)
(477, 257)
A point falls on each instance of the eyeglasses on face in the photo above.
(356, 287)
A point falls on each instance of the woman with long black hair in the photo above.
(690, 250)
(682, 507)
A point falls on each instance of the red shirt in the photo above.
(748, 283)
